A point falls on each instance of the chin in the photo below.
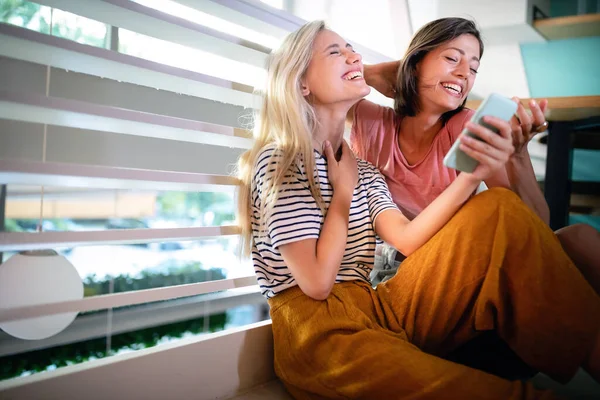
(363, 92)
(451, 105)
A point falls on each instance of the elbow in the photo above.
(317, 291)
(319, 296)
(406, 249)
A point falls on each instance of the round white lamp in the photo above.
(38, 277)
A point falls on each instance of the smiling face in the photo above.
(447, 74)
(335, 73)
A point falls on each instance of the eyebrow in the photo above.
(461, 51)
(335, 45)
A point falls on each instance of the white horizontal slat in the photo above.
(219, 365)
(92, 176)
(135, 17)
(249, 21)
(26, 45)
(29, 107)
(92, 326)
(19, 241)
(124, 299)
(247, 11)
(24, 192)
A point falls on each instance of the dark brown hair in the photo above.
(429, 37)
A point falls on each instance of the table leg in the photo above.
(559, 163)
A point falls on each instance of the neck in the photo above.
(331, 123)
(421, 129)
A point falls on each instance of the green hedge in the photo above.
(40, 360)
(173, 273)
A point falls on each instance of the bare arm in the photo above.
(314, 263)
(492, 153)
(519, 177)
(407, 236)
(382, 77)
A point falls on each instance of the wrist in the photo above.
(520, 156)
(342, 196)
(469, 180)
(368, 72)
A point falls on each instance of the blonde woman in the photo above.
(310, 214)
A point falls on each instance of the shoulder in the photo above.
(266, 166)
(371, 125)
(366, 110)
(267, 155)
(365, 166)
(367, 170)
(456, 124)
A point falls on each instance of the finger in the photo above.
(346, 147)
(544, 105)
(524, 117)
(491, 137)
(500, 154)
(328, 150)
(536, 113)
(481, 157)
(514, 123)
(515, 129)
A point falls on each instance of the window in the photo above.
(118, 268)
(108, 269)
(40, 18)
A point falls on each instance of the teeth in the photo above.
(452, 86)
(351, 75)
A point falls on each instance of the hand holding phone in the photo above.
(494, 105)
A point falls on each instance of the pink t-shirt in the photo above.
(374, 138)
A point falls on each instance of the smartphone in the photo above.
(494, 105)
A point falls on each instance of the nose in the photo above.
(462, 70)
(352, 57)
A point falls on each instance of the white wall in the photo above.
(381, 25)
(504, 25)
(502, 72)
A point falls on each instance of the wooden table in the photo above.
(574, 122)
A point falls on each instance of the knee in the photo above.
(498, 195)
(576, 234)
(495, 199)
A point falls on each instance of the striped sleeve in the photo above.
(295, 216)
(378, 194)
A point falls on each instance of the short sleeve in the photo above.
(457, 123)
(295, 216)
(379, 197)
(370, 121)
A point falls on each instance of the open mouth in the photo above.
(353, 76)
(452, 89)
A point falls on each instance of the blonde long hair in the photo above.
(286, 120)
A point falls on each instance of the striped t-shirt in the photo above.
(297, 216)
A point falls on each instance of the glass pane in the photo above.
(39, 18)
(25, 14)
(138, 265)
(80, 29)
